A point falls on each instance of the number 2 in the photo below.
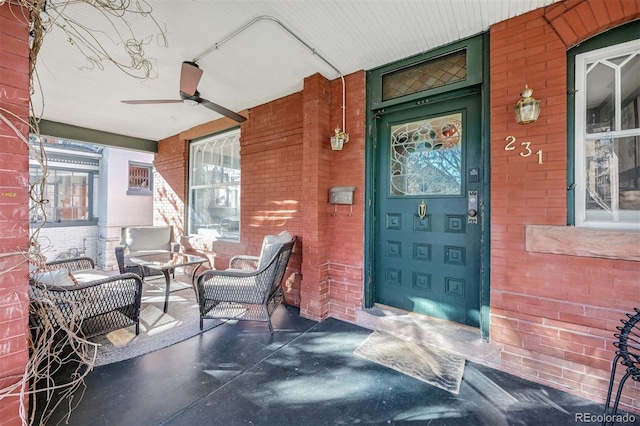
(509, 146)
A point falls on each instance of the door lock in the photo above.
(472, 207)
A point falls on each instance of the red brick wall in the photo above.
(554, 315)
(271, 193)
(346, 233)
(288, 169)
(14, 204)
(169, 183)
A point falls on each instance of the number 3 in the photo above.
(527, 150)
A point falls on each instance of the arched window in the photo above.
(214, 186)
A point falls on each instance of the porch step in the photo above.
(452, 337)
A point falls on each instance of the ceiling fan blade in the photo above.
(190, 77)
(153, 101)
(220, 110)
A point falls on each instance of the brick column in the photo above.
(14, 203)
(314, 294)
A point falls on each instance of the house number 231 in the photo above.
(526, 148)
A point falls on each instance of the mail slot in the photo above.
(341, 194)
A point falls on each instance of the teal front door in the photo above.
(428, 210)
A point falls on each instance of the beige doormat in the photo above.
(426, 363)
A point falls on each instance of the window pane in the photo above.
(630, 81)
(600, 98)
(613, 179)
(73, 195)
(215, 211)
(96, 190)
(426, 157)
(139, 177)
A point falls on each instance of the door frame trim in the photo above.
(371, 140)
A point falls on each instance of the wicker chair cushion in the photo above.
(57, 277)
(270, 246)
(147, 238)
(88, 275)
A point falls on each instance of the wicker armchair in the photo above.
(251, 289)
(86, 298)
(139, 240)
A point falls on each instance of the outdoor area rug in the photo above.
(427, 363)
(157, 329)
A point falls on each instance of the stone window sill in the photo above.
(572, 241)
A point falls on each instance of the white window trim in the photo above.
(580, 134)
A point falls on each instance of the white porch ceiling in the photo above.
(261, 64)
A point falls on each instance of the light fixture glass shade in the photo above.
(527, 109)
(339, 139)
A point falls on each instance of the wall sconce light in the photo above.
(339, 139)
(527, 109)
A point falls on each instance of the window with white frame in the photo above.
(214, 186)
(607, 137)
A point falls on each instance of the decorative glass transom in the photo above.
(441, 71)
(426, 157)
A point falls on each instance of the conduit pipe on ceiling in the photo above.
(271, 18)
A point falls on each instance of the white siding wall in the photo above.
(68, 241)
(116, 208)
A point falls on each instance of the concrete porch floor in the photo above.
(305, 374)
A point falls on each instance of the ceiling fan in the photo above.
(190, 75)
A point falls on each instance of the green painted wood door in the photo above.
(427, 249)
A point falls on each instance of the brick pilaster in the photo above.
(314, 293)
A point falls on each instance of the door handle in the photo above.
(422, 210)
(472, 207)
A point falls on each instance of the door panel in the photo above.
(427, 244)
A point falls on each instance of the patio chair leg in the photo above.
(614, 365)
(270, 326)
(201, 324)
(617, 400)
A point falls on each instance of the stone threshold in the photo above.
(456, 338)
